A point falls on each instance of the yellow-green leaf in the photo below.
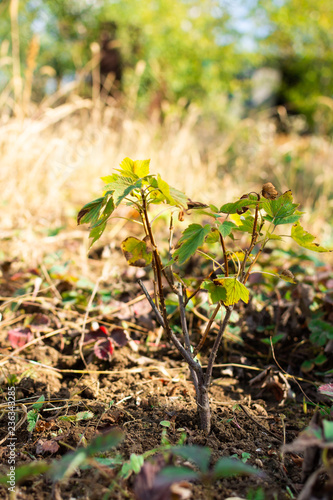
(215, 292)
(235, 291)
(136, 252)
(141, 167)
(305, 239)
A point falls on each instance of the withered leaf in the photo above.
(269, 192)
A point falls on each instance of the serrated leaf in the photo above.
(90, 212)
(227, 467)
(273, 236)
(226, 228)
(193, 237)
(231, 208)
(141, 167)
(96, 233)
(305, 239)
(213, 236)
(246, 224)
(290, 219)
(122, 187)
(97, 211)
(171, 195)
(235, 291)
(32, 417)
(281, 209)
(215, 292)
(136, 252)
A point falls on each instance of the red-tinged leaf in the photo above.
(18, 337)
(49, 446)
(100, 333)
(119, 336)
(327, 390)
(103, 349)
(40, 322)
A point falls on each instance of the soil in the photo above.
(146, 383)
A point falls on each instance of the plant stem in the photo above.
(207, 330)
(208, 374)
(187, 337)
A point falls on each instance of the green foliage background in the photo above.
(191, 49)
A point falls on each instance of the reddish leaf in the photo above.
(18, 337)
(119, 336)
(103, 349)
(40, 322)
(100, 333)
(49, 446)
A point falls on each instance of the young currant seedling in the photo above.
(257, 215)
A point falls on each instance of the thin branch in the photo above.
(186, 336)
(207, 330)
(208, 374)
(152, 304)
(226, 266)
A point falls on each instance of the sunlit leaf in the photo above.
(215, 292)
(235, 291)
(305, 239)
(141, 167)
(122, 187)
(231, 208)
(193, 237)
(226, 228)
(136, 252)
(281, 210)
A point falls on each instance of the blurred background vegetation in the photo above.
(221, 95)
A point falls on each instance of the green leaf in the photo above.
(177, 474)
(193, 237)
(307, 366)
(305, 239)
(199, 455)
(96, 233)
(279, 210)
(39, 403)
(213, 236)
(215, 292)
(247, 224)
(90, 211)
(273, 236)
(122, 187)
(171, 195)
(235, 291)
(284, 220)
(29, 470)
(134, 465)
(97, 211)
(328, 430)
(231, 208)
(226, 228)
(165, 423)
(70, 462)
(136, 252)
(32, 417)
(227, 467)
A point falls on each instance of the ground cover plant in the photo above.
(256, 214)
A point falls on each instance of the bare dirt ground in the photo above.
(145, 383)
